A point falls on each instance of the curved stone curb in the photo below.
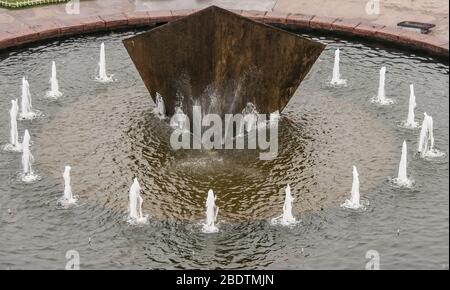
(72, 25)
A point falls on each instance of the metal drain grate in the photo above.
(420, 27)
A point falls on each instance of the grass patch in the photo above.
(27, 3)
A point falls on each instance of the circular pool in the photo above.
(109, 134)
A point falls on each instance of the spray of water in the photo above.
(160, 109)
(426, 139)
(14, 144)
(103, 77)
(135, 215)
(336, 79)
(274, 118)
(67, 198)
(250, 118)
(54, 92)
(179, 121)
(410, 122)
(402, 179)
(287, 218)
(355, 200)
(381, 97)
(211, 214)
(27, 160)
(25, 104)
(402, 174)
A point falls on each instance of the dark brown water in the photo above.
(108, 134)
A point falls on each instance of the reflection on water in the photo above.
(109, 135)
(130, 141)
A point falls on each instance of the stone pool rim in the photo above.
(52, 28)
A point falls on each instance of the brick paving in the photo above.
(343, 16)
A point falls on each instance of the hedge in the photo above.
(27, 3)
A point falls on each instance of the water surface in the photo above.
(108, 134)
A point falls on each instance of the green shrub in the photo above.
(27, 3)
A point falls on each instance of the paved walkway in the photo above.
(391, 11)
(351, 16)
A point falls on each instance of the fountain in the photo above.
(355, 201)
(27, 160)
(274, 118)
(336, 79)
(402, 178)
(232, 67)
(426, 139)
(381, 97)
(250, 119)
(410, 122)
(179, 120)
(102, 76)
(286, 219)
(25, 105)
(67, 198)
(54, 92)
(14, 144)
(135, 215)
(160, 110)
(211, 214)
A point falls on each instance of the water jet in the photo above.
(336, 79)
(135, 215)
(67, 198)
(28, 174)
(410, 122)
(402, 179)
(355, 200)
(426, 139)
(381, 97)
(14, 144)
(212, 211)
(102, 76)
(287, 218)
(27, 112)
(54, 92)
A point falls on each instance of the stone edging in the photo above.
(72, 25)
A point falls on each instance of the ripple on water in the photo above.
(108, 134)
